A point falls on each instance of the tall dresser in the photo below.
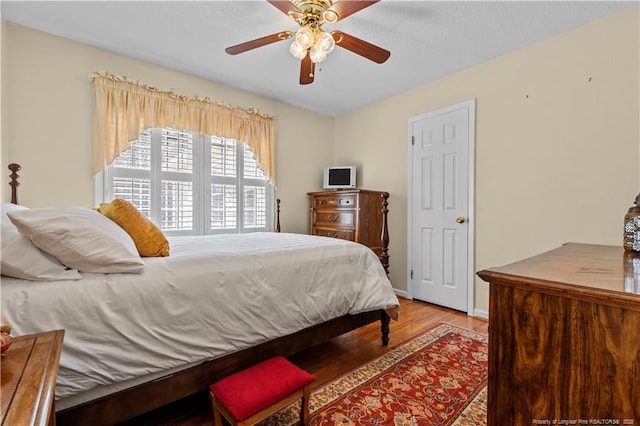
(357, 215)
(564, 338)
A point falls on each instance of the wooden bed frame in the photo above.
(131, 402)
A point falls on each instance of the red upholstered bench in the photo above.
(254, 394)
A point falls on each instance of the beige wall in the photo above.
(4, 179)
(50, 117)
(557, 144)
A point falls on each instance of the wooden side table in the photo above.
(28, 379)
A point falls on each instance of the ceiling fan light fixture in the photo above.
(297, 50)
(305, 37)
(317, 55)
(325, 43)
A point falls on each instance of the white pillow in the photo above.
(80, 238)
(21, 259)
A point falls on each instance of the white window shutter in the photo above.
(162, 173)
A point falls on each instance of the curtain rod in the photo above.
(123, 79)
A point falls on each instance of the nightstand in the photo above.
(28, 379)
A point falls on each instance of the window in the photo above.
(192, 184)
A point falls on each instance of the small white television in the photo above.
(339, 177)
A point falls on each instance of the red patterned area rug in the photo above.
(438, 378)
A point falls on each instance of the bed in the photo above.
(217, 304)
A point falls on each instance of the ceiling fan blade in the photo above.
(307, 70)
(360, 47)
(284, 6)
(346, 8)
(259, 42)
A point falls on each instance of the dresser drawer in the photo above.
(343, 234)
(334, 201)
(335, 217)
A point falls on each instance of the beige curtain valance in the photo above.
(124, 109)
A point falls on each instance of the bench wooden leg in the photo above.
(304, 408)
(217, 418)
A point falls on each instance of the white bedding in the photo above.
(214, 295)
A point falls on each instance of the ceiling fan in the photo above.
(311, 44)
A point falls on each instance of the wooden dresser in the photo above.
(564, 338)
(29, 371)
(357, 215)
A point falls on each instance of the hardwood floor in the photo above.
(330, 359)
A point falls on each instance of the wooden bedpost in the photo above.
(15, 168)
(384, 327)
(384, 254)
(384, 257)
(277, 214)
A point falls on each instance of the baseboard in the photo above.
(481, 314)
(401, 293)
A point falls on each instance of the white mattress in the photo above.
(214, 295)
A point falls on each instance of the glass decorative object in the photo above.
(631, 241)
(631, 272)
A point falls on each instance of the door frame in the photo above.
(471, 105)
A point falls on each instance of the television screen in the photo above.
(339, 177)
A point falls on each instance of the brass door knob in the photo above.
(460, 219)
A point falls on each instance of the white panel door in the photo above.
(439, 207)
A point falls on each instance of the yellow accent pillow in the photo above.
(148, 238)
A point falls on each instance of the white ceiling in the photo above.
(427, 40)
